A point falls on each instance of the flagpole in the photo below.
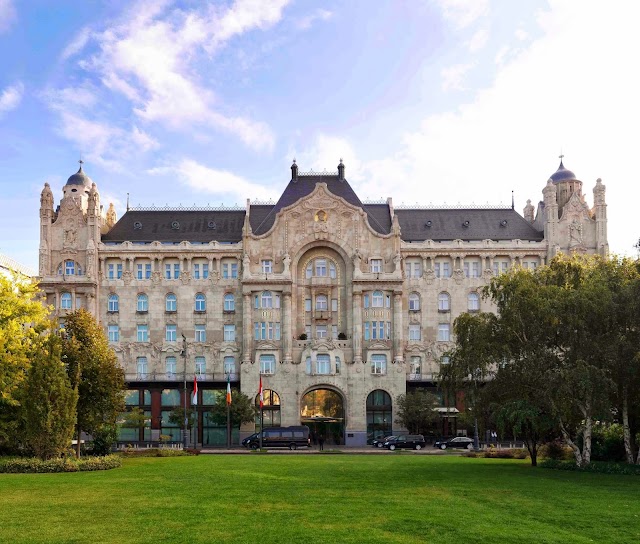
(228, 411)
(261, 414)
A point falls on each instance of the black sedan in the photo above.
(379, 442)
(457, 442)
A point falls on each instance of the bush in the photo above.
(494, 453)
(62, 464)
(594, 466)
(608, 443)
(103, 439)
(303, 336)
(556, 450)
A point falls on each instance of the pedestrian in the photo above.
(321, 442)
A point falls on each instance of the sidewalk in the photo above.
(368, 450)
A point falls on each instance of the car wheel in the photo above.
(293, 446)
(443, 446)
(469, 446)
(392, 447)
(379, 444)
(254, 446)
(418, 447)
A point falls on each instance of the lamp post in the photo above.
(184, 377)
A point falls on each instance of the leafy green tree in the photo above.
(242, 409)
(23, 318)
(416, 411)
(49, 402)
(176, 416)
(94, 370)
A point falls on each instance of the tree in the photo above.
(93, 368)
(49, 402)
(416, 411)
(176, 416)
(242, 409)
(23, 318)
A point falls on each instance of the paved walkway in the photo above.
(368, 450)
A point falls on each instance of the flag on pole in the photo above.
(194, 399)
(228, 389)
(260, 393)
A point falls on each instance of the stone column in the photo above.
(287, 333)
(357, 328)
(246, 327)
(398, 339)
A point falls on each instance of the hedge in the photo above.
(17, 465)
(595, 466)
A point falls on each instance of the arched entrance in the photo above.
(270, 409)
(379, 414)
(322, 410)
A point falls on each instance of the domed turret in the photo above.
(80, 178)
(562, 174)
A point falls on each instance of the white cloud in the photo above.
(11, 97)
(462, 13)
(76, 45)
(452, 77)
(221, 183)
(325, 153)
(304, 23)
(8, 15)
(478, 40)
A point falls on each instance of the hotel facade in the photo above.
(338, 305)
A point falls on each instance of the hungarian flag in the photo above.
(194, 399)
(228, 390)
(260, 394)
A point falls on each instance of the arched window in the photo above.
(201, 303)
(266, 300)
(321, 303)
(444, 302)
(143, 303)
(170, 303)
(141, 365)
(309, 270)
(414, 302)
(332, 270)
(379, 414)
(377, 300)
(65, 301)
(473, 302)
(229, 303)
(113, 303)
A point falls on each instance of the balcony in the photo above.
(179, 377)
(422, 377)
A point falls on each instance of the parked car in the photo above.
(379, 442)
(280, 437)
(457, 442)
(408, 441)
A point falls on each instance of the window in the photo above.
(414, 332)
(473, 302)
(307, 304)
(321, 303)
(376, 265)
(170, 303)
(321, 331)
(229, 303)
(334, 332)
(69, 268)
(172, 271)
(337, 365)
(229, 365)
(444, 360)
(442, 269)
(201, 303)
(334, 304)
(367, 330)
(500, 266)
(309, 270)
(267, 364)
(323, 364)
(414, 302)
(307, 331)
(229, 333)
(366, 302)
(530, 265)
(378, 364)
(143, 271)
(267, 330)
(332, 270)
(413, 268)
(171, 333)
(114, 333)
(142, 333)
(229, 269)
(142, 303)
(443, 332)
(266, 300)
(415, 366)
(201, 367)
(142, 368)
(201, 333)
(444, 302)
(170, 367)
(114, 271)
(65, 301)
(377, 299)
(321, 267)
(200, 270)
(113, 302)
(267, 266)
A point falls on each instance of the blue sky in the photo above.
(441, 101)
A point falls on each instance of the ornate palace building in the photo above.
(339, 305)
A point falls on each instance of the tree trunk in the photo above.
(576, 450)
(79, 433)
(586, 446)
(533, 452)
(628, 448)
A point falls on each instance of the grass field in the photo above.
(317, 499)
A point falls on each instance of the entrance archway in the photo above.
(322, 410)
(379, 412)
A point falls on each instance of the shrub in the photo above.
(595, 466)
(342, 336)
(607, 443)
(303, 336)
(494, 453)
(62, 464)
(103, 439)
(555, 450)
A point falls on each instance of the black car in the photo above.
(457, 442)
(379, 442)
(409, 441)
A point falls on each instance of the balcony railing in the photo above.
(422, 377)
(179, 377)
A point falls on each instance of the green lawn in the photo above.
(319, 498)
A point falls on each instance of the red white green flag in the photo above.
(194, 399)
(260, 393)
(228, 390)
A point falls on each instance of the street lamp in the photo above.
(184, 377)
